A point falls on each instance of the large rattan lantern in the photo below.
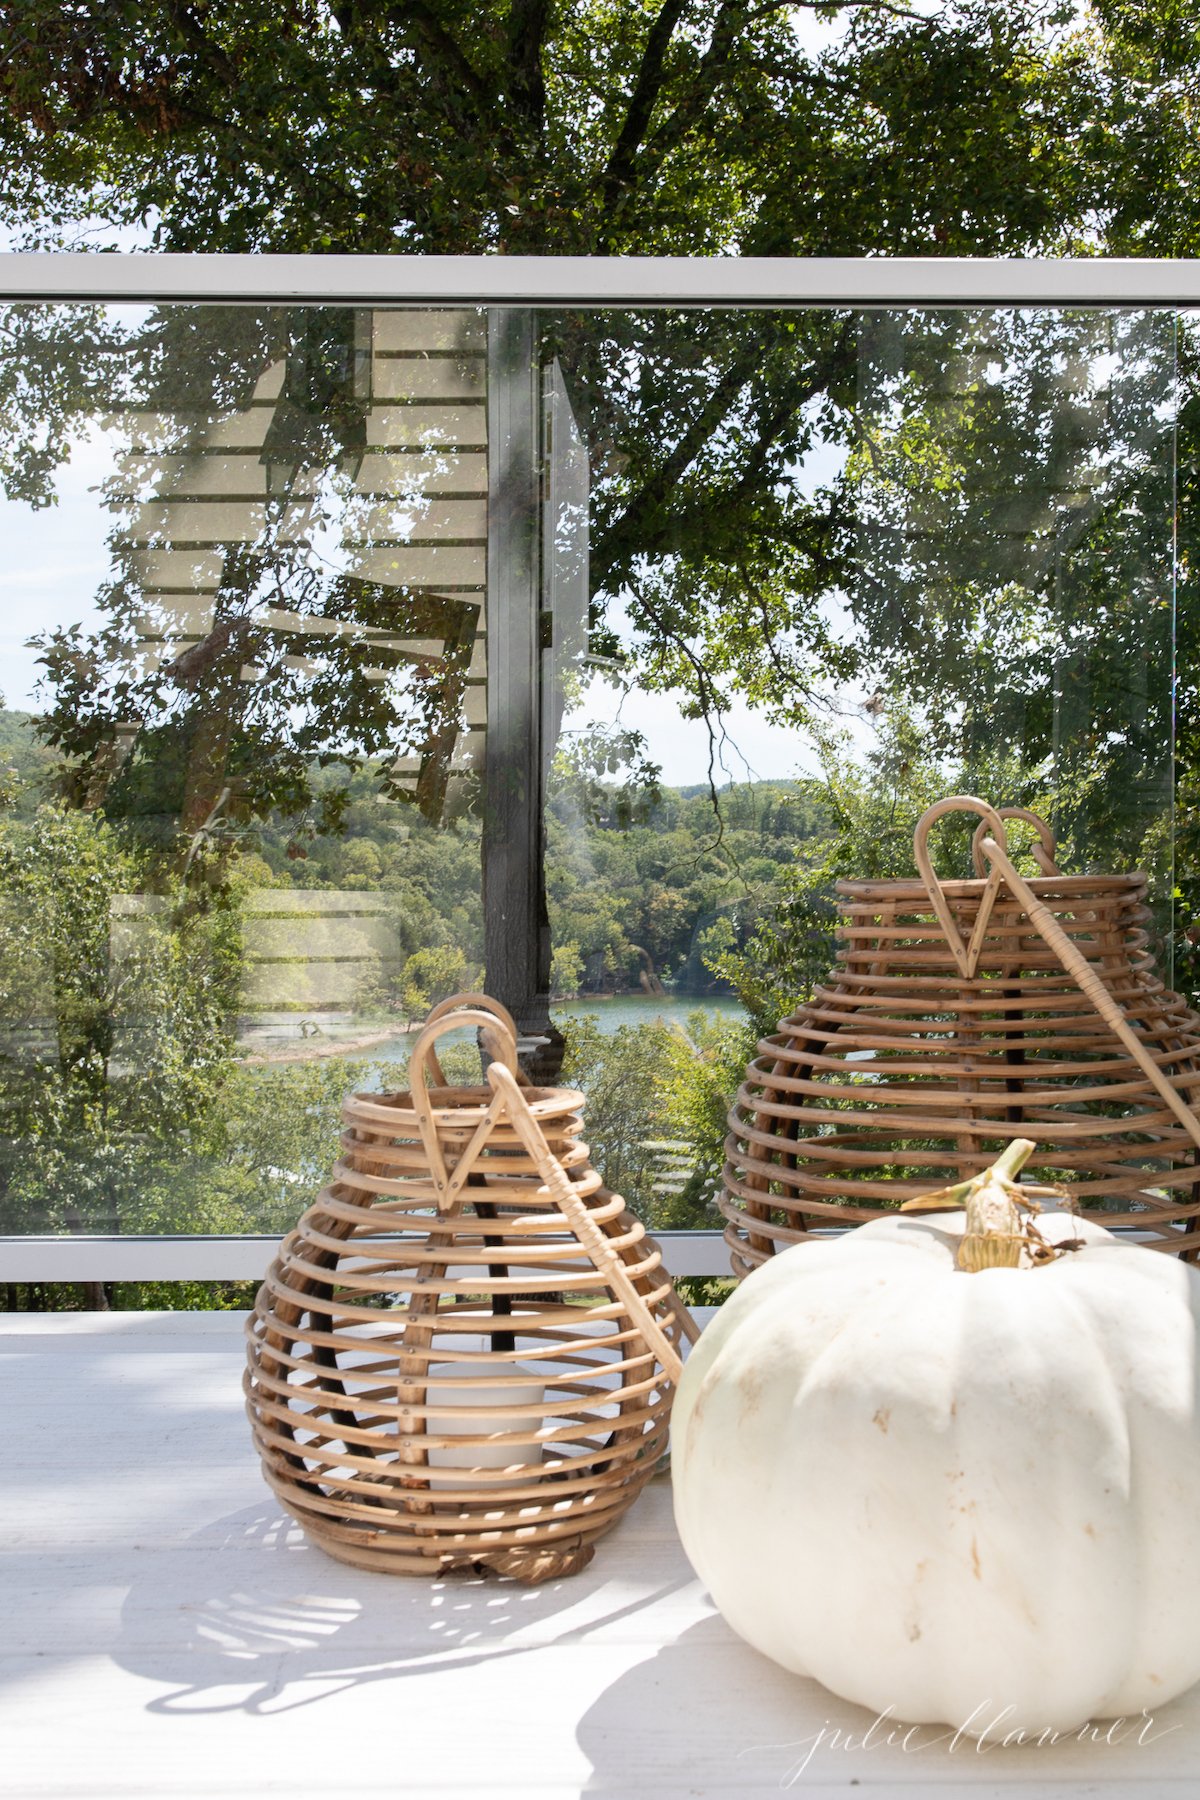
(466, 1351)
(960, 1016)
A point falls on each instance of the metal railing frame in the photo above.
(593, 283)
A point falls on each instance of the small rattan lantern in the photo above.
(466, 1351)
(962, 1015)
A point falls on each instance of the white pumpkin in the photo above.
(965, 1498)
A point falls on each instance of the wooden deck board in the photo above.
(168, 1633)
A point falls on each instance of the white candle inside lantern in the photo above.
(470, 1411)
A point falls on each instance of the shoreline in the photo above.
(313, 1050)
(336, 1047)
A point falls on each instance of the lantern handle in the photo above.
(477, 1003)
(1086, 978)
(1043, 852)
(500, 1043)
(965, 951)
(607, 1263)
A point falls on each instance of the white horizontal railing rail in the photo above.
(600, 281)
(180, 1258)
(247, 1258)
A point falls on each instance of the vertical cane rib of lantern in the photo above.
(607, 1262)
(423, 1303)
(1043, 851)
(624, 1442)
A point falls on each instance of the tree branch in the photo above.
(631, 530)
(732, 17)
(445, 47)
(708, 702)
(733, 13)
(196, 37)
(528, 21)
(628, 530)
(782, 673)
(619, 170)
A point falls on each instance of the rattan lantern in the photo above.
(962, 1015)
(466, 1351)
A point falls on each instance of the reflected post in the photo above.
(516, 920)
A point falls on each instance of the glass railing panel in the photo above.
(245, 685)
(356, 655)
(1014, 479)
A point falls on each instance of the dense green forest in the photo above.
(638, 903)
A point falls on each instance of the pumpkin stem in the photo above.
(995, 1232)
(999, 1223)
(1007, 1164)
(1010, 1162)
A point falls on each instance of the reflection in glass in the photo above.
(381, 652)
(243, 850)
(935, 551)
(1014, 581)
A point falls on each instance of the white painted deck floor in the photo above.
(167, 1633)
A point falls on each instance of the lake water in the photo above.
(282, 1041)
(611, 1013)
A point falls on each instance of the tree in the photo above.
(1014, 551)
(703, 1067)
(691, 126)
(566, 970)
(697, 128)
(431, 975)
(116, 1008)
(619, 1072)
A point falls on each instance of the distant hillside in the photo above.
(31, 761)
(696, 788)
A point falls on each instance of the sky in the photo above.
(55, 560)
(753, 750)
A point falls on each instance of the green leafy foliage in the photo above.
(657, 1096)
(871, 800)
(702, 128)
(647, 902)
(116, 1004)
(694, 128)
